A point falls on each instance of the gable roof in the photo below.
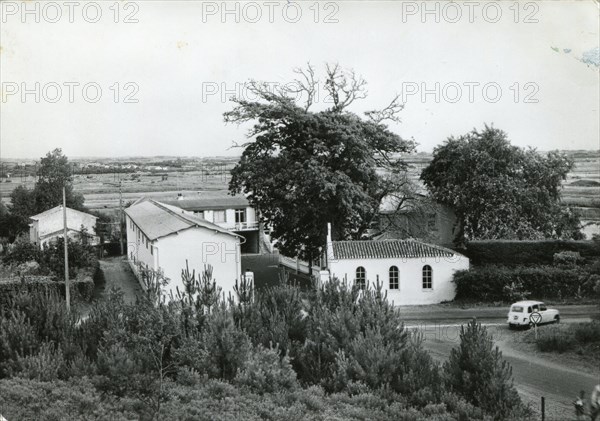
(387, 249)
(156, 219)
(210, 203)
(55, 209)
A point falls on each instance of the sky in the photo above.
(155, 77)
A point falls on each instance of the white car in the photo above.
(520, 314)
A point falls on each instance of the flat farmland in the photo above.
(101, 191)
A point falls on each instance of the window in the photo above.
(199, 214)
(394, 278)
(542, 307)
(240, 216)
(517, 309)
(361, 277)
(427, 277)
(219, 216)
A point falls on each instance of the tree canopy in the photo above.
(500, 191)
(54, 173)
(303, 168)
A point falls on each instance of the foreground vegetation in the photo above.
(335, 352)
(579, 338)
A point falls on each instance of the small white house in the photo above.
(48, 226)
(162, 237)
(410, 272)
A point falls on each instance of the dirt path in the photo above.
(118, 274)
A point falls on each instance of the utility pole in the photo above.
(121, 216)
(65, 235)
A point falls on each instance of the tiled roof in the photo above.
(58, 209)
(387, 249)
(157, 219)
(210, 203)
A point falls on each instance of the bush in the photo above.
(555, 339)
(567, 258)
(184, 360)
(477, 372)
(51, 257)
(266, 372)
(506, 283)
(22, 251)
(47, 365)
(226, 346)
(587, 332)
(512, 252)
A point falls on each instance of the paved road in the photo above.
(437, 313)
(534, 376)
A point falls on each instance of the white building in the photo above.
(410, 272)
(48, 226)
(232, 213)
(162, 237)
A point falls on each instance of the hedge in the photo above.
(513, 252)
(81, 289)
(506, 283)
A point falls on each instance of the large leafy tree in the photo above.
(303, 168)
(54, 173)
(500, 191)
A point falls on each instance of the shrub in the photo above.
(226, 346)
(555, 339)
(46, 365)
(587, 332)
(266, 372)
(505, 283)
(22, 251)
(567, 258)
(513, 252)
(17, 338)
(476, 371)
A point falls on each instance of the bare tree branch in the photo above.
(307, 85)
(344, 87)
(388, 113)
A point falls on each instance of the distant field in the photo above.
(101, 190)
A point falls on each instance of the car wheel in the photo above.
(511, 327)
(557, 319)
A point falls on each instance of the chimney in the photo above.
(329, 232)
(179, 196)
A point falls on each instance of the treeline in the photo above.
(334, 352)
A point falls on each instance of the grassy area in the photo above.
(582, 339)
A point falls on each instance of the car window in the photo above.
(535, 308)
(542, 307)
(517, 309)
(529, 309)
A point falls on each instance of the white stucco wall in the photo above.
(411, 290)
(53, 223)
(138, 246)
(199, 246)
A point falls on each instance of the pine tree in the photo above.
(477, 371)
